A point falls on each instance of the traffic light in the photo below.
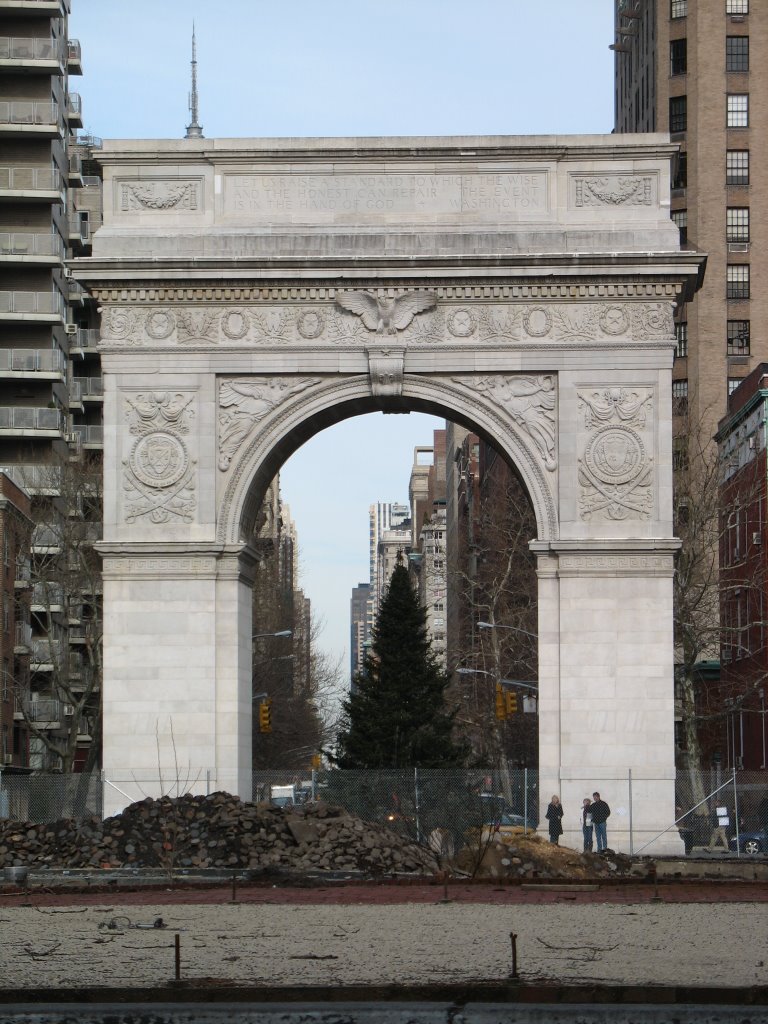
(265, 716)
(511, 702)
(501, 711)
(317, 761)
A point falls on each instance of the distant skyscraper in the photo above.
(388, 535)
(360, 626)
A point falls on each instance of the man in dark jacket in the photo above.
(600, 813)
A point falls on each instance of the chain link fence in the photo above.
(715, 812)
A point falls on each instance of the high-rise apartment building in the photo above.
(388, 534)
(428, 527)
(698, 69)
(50, 382)
(360, 626)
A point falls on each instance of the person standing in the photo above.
(555, 818)
(601, 812)
(586, 824)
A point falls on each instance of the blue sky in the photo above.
(345, 68)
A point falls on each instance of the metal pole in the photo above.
(762, 723)
(416, 802)
(525, 801)
(314, 785)
(736, 811)
(631, 836)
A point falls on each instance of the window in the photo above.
(733, 383)
(737, 6)
(737, 224)
(680, 217)
(738, 337)
(681, 333)
(679, 454)
(737, 167)
(737, 110)
(678, 8)
(679, 397)
(737, 281)
(678, 114)
(736, 53)
(678, 56)
(681, 172)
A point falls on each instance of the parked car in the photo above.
(752, 842)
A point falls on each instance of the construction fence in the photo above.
(715, 810)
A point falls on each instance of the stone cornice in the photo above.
(407, 148)
(234, 292)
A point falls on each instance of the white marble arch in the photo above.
(256, 291)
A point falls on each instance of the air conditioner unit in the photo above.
(751, 441)
(71, 328)
(72, 438)
(757, 538)
(69, 710)
(67, 272)
(8, 759)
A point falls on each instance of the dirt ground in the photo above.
(678, 934)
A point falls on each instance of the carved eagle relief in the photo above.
(383, 314)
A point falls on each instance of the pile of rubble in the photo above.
(529, 856)
(217, 831)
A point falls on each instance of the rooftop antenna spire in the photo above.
(194, 130)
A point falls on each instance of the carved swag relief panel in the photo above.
(615, 462)
(159, 476)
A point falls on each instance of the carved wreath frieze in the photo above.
(334, 325)
(615, 466)
(159, 195)
(159, 474)
(614, 190)
(244, 402)
(529, 401)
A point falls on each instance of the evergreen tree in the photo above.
(397, 717)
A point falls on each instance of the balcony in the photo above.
(74, 110)
(74, 396)
(76, 294)
(21, 119)
(24, 247)
(45, 713)
(74, 57)
(32, 307)
(84, 341)
(34, 479)
(46, 654)
(47, 597)
(23, 638)
(45, 364)
(31, 56)
(79, 228)
(89, 437)
(91, 388)
(75, 170)
(30, 8)
(30, 421)
(45, 540)
(30, 184)
(22, 574)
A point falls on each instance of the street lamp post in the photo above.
(281, 632)
(499, 625)
(525, 684)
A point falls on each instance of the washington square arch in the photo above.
(255, 292)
